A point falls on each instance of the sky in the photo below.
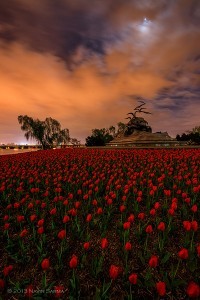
(86, 62)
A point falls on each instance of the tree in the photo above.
(121, 127)
(48, 133)
(192, 137)
(99, 137)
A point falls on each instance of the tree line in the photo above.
(49, 134)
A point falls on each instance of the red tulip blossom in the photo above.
(193, 290)
(86, 245)
(99, 211)
(161, 226)
(33, 218)
(59, 290)
(127, 225)
(88, 218)
(62, 234)
(7, 270)
(198, 250)
(53, 211)
(20, 219)
(23, 233)
(194, 225)
(187, 225)
(45, 264)
(40, 230)
(171, 211)
(29, 291)
(141, 216)
(161, 288)
(66, 219)
(73, 262)
(131, 218)
(2, 284)
(114, 271)
(122, 208)
(152, 212)
(194, 208)
(149, 229)
(40, 222)
(153, 261)
(183, 253)
(156, 205)
(6, 226)
(128, 246)
(6, 217)
(104, 243)
(133, 278)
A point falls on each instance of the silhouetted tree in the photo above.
(48, 133)
(192, 137)
(99, 137)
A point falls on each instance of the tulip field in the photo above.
(100, 224)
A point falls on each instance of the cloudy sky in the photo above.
(84, 63)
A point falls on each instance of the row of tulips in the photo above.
(101, 223)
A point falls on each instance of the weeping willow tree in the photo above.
(47, 133)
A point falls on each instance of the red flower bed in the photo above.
(100, 224)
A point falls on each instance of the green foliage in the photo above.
(47, 133)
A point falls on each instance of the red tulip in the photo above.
(53, 211)
(99, 211)
(20, 219)
(2, 284)
(149, 229)
(104, 243)
(86, 246)
(122, 208)
(194, 225)
(94, 202)
(128, 246)
(161, 226)
(33, 218)
(156, 205)
(73, 262)
(23, 233)
(131, 218)
(6, 226)
(133, 278)
(7, 270)
(66, 219)
(193, 290)
(88, 218)
(59, 290)
(152, 212)
(183, 253)
(77, 204)
(171, 211)
(6, 217)
(127, 225)
(198, 250)
(194, 208)
(40, 230)
(114, 272)
(29, 291)
(161, 288)
(40, 222)
(153, 262)
(141, 216)
(45, 264)
(187, 225)
(62, 234)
